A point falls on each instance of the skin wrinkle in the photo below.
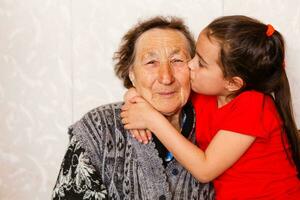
(183, 98)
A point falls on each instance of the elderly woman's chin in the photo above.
(170, 104)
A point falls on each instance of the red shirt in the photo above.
(264, 171)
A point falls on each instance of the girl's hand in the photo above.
(138, 114)
(142, 135)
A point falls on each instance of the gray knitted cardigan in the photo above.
(124, 168)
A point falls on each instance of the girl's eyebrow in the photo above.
(200, 57)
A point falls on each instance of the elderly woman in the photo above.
(103, 161)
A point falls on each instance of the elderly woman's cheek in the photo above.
(144, 80)
(185, 88)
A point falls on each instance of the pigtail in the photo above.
(284, 106)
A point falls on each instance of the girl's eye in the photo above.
(200, 64)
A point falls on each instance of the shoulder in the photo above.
(263, 105)
(100, 132)
(250, 95)
(99, 119)
(108, 112)
(253, 113)
(248, 102)
(101, 125)
(254, 102)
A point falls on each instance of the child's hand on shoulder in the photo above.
(142, 135)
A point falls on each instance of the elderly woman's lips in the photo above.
(166, 94)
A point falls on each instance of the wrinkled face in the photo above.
(160, 72)
(206, 74)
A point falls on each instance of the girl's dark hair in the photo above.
(124, 57)
(247, 52)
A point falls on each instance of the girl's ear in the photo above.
(234, 84)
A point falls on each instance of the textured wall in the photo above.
(55, 65)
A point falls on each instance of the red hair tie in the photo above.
(270, 30)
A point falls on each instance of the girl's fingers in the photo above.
(127, 126)
(136, 99)
(132, 133)
(143, 135)
(124, 121)
(140, 135)
(122, 114)
(137, 135)
(148, 134)
(124, 107)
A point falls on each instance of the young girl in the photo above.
(247, 136)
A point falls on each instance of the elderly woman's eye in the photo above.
(150, 62)
(177, 61)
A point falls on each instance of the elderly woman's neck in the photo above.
(175, 120)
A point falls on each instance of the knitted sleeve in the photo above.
(78, 178)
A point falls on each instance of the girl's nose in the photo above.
(191, 64)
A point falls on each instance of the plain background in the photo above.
(56, 64)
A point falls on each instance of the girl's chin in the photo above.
(195, 89)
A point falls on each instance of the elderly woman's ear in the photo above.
(131, 92)
(131, 77)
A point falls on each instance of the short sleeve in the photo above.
(245, 115)
(78, 178)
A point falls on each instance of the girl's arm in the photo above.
(223, 151)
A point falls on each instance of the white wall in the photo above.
(55, 65)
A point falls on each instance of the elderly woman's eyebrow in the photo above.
(178, 52)
(149, 55)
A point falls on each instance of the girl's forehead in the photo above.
(207, 47)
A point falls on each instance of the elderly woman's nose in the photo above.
(166, 74)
